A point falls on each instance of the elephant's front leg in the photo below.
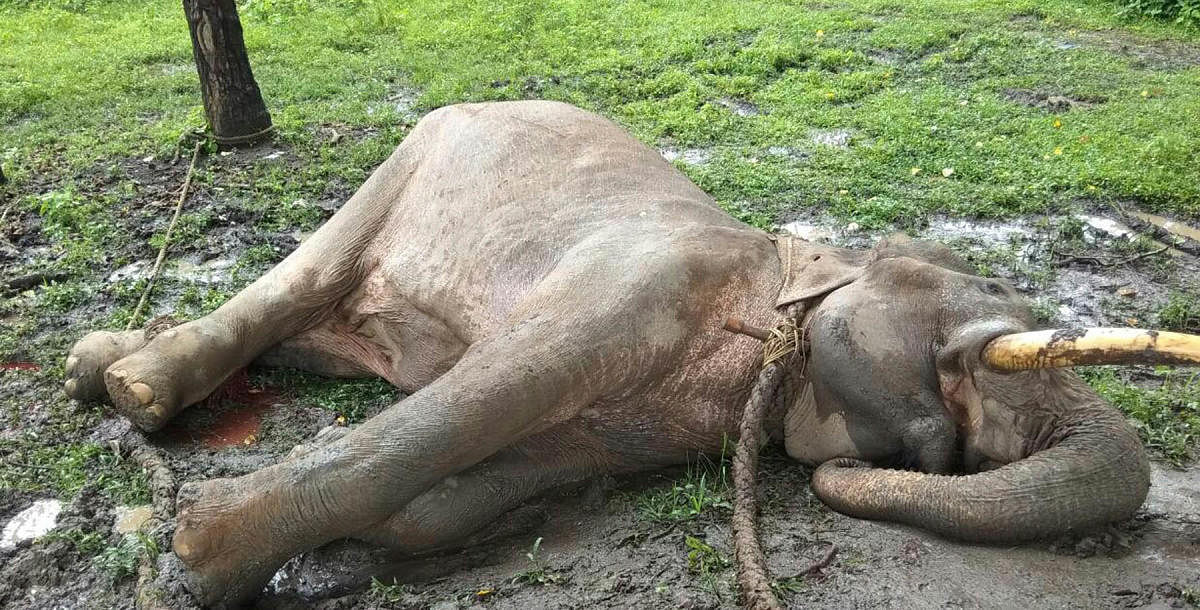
(235, 533)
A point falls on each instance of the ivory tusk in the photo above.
(1077, 346)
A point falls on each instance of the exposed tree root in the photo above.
(162, 492)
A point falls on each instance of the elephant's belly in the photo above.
(386, 334)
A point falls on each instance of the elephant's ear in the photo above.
(811, 270)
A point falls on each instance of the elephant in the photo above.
(550, 294)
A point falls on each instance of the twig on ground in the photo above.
(1175, 240)
(1068, 258)
(821, 563)
(25, 282)
(162, 252)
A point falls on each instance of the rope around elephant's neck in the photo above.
(780, 346)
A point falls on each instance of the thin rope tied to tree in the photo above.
(781, 346)
(162, 252)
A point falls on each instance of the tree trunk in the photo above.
(232, 102)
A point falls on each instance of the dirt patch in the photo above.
(1145, 53)
(1050, 102)
(597, 548)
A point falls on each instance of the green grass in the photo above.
(924, 86)
(351, 398)
(703, 490)
(1167, 416)
(30, 463)
(94, 88)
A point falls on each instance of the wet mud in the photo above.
(597, 549)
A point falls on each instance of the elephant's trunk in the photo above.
(1093, 471)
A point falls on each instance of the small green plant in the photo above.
(1180, 11)
(389, 594)
(352, 398)
(61, 297)
(64, 469)
(705, 562)
(704, 488)
(540, 573)
(86, 544)
(120, 560)
(1180, 314)
(1166, 417)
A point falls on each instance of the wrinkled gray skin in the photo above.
(551, 294)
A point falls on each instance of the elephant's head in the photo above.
(897, 356)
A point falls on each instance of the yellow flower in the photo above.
(914, 171)
(1091, 187)
(1145, 93)
(979, 145)
(820, 33)
(828, 95)
(341, 420)
(1058, 150)
(1057, 123)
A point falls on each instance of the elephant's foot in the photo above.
(91, 355)
(222, 525)
(178, 368)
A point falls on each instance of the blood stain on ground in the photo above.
(19, 366)
(230, 416)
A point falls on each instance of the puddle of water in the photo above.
(1170, 226)
(739, 107)
(131, 518)
(31, 523)
(231, 416)
(809, 231)
(788, 151)
(691, 156)
(1108, 226)
(213, 271)
(981, 234)
(835, 138)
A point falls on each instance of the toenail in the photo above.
(70, 387)
(72, 361)
(119, 375)
(156, 411)
(142, 392)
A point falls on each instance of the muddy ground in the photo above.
(598, 547)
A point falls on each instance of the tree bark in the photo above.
(232, 102)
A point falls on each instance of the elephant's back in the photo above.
(503, 191)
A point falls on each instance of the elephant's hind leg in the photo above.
(184, 364)
(234, 533)
(462, 510)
